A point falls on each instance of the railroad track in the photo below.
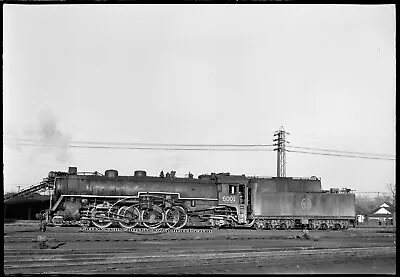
(99, 238)
(136, 260)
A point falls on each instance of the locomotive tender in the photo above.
(210, 200)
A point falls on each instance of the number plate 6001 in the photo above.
(228, 198)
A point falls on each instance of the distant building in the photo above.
(25, 207)
(383, 213)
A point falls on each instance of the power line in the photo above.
(157, 144)
(183, 147)
(140, 148)
(339, 151)
(338, 155)
(179, 145)
(203, 145)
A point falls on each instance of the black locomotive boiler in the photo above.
(210, 200)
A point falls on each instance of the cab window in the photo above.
(232, 189)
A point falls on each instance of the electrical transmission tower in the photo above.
(281, 154)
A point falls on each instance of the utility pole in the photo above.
(19, 187)
(281, 154)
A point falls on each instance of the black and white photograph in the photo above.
(199, 138)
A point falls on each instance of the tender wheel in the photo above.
(337, 227)
(131, 215)
(283, 226)
(259, 225)
(176, 217)
(100, 218)
(324, 226)
(311, 226)
(152, 218)
(267, 226)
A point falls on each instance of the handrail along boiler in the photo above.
(212, 200)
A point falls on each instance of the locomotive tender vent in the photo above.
(140, 173)
(111, 173)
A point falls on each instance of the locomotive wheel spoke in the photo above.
(152, 218)
(100, 218)
(113, 213)
(176, 217)
(131, 214)
(120, 214)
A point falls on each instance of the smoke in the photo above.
(54, 141)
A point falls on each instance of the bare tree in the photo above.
(366, 204)
(392, 189)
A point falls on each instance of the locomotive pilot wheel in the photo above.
(176, 217)
(100, 218)
(152, 218)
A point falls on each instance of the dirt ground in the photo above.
(72, 250)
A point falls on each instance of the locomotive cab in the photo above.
(233, 192)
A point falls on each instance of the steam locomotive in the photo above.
(213, 200)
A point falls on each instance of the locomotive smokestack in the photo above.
(72, 170)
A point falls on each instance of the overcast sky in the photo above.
(200, 74)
